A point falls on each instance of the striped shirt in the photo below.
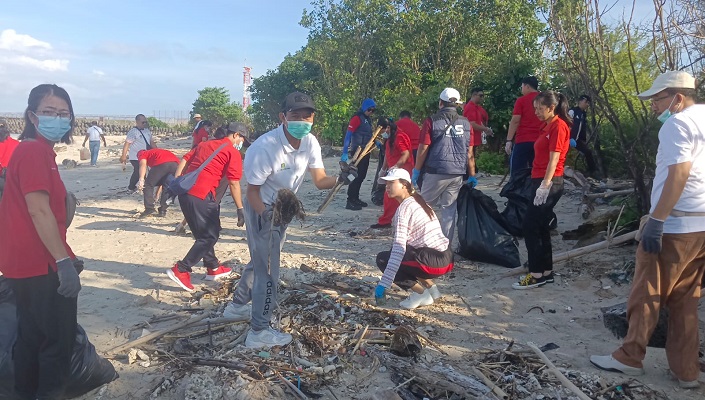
(412, 227)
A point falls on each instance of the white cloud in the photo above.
(49, 65)
(11, 40)
(98, 72)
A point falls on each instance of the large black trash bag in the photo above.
(88, 369)
(520, 195)
(482, 235)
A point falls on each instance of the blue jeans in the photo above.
(94, 146)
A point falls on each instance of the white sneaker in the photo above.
(416, 300)
(435, 293)
(608, 363)
(267, 338)
(238, 312)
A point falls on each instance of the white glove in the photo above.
(542, 193)
(140, 185)
(490, 132)
(508, 148)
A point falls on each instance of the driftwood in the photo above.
(564, 381)
(495, 389)
(591, 227)
(156, 335)
(558, 257)
(606, 195)
(437, 380)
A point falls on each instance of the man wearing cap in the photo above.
(357, 136)
(445, 157)
(138, 138)
(669, 259)
(198, 119)
(199, 204)
(524, 128)
(276, 160)
(578, 132)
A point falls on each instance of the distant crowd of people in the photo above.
(420, 168)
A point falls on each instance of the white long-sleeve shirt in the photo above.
(413, 227)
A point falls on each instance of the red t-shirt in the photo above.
(155, 157)
(392, 154)
(7, 147)
(554, 137)
(228, 163)
(32, 169)
(412, 130)
(475, 113)
(530, 124)
(199, 136)
(426, 132)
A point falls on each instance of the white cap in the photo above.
(450, 95)
(394, 174)
(669, 80)
(197, 116)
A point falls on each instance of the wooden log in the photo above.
(495, 389)
(568, 384)
(578, 252)
(156, 335)
(439, 380)
(606, 195)
(592, 227)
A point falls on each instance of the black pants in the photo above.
(409, 271)
(46, 333)
(203, 217)
(583, 148)
(354, 187)
(135, 177)
(536, 227)
(155, 178)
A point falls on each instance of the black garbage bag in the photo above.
(378, 188)
(88, 369)
(520, 195)
(482, 235)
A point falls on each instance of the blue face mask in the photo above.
(53, 128)
(299, 129)
(385, 135)
(666, 114)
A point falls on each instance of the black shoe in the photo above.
(360, 203)
(353, 206)
(380, 226)
(162, 212)
(147, 212)
(548, 278)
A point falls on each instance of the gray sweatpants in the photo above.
(256, 284)
(442, 190)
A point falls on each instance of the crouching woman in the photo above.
(420, 252)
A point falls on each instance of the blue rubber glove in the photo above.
(344, 157)
(472, 181)
(573, 143)
(652, 235)
(379, 294)
(415, 173)
(378, 144)
(346, 144)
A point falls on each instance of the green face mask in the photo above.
(666, 114)
(298, 129)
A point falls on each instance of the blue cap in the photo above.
(367, 104)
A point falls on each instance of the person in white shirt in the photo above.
(138, 138)
(669, 260)
(420, 251)
(93, 136)
(277, 160)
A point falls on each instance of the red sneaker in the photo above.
(218, 273)
(182, 279)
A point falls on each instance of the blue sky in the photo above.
(123, 57)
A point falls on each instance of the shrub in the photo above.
(489, 162)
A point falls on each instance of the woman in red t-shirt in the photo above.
(397, 154)
(34, 254)
(201, 134)
(7, 147)
(550, 150)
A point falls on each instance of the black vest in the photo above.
(362, 134)
(450, 136)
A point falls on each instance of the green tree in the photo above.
(213, 103)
